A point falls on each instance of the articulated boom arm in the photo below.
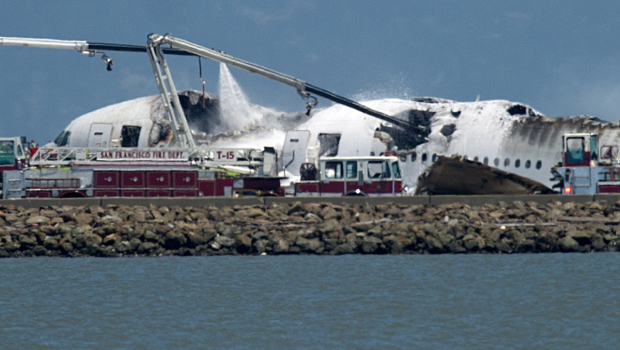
(81, 46)
(303, 88)
(185, 48)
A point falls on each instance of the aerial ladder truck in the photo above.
(184, 178)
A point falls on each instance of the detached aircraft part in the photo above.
(458, 176)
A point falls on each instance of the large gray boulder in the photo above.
(37, 220)
(281, 247)
(568, 244)
(309, 245)
(111, 239)
(370, 244)
(433, 245)
(244, 243)
(26, 242)
(146, 247)
(174, 240)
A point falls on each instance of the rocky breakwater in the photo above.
(314, 228)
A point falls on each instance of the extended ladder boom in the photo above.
(182, 47)
(303, 88)
(82, 46)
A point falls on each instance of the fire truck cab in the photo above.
(586, 168)
(13, 155)
(350, 176)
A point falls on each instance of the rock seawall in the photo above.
(312, 228)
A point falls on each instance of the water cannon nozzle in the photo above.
(109, 62)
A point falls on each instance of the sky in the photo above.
(560, 57)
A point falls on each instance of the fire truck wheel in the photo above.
(268, 194)
(355, 194)
(75, 194)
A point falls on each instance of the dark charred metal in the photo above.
(459, 176)
(201, 117)
(448, 130)
(519, 109)
(410, 138)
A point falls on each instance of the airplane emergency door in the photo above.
(99, 135)
(294, 150)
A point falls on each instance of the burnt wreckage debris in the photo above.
(546, 131)
(202, 117)
(520, 109)
(448, 130)
(409, 139)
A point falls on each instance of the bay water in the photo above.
(530, 301)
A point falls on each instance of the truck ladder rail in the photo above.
(169, 96)
(199, 157)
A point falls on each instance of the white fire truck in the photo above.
(586, 168)
(350, 176)
(13, 156)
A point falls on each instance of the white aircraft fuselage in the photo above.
(508, 136)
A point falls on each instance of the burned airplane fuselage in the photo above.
(143, 123)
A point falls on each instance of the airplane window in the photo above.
(496, 161)
(130, 135)
(58, 139)
(423, 157)
(538, 164)
(414, 156)
(333, 170)
(517, 163)
(527, 164)
(372, 154)
(486, 160)
(475, 158)
(63, 139)
(506, 162)
(434, 157)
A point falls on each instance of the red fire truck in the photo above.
(182, 168)
(128, 172)
(350, 176)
